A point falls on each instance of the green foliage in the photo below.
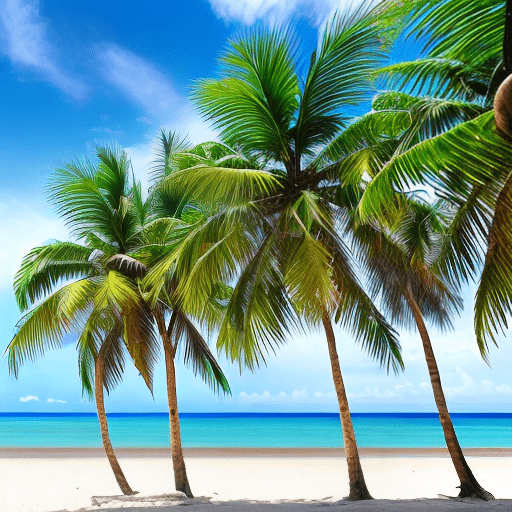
(270, 227)
(105, 308)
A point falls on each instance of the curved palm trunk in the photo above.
(102, 417)
(178, 462)
(358, 489)
(469, 487)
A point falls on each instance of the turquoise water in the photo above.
(252, 430)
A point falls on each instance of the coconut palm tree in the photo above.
(100, 305)
(271, 222)
(107, 308)
(401, 265)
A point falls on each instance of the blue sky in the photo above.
(77, 73)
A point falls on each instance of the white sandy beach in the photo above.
(32, 482)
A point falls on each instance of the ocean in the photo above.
(387, 430)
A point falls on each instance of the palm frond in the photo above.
(471, 150)
(259, 314)
(168, 145)
(339, 75)
(46, 266)
(222, 186)
(44, 326)
(467, 30)
(437, 77)
(356, 312)
(494, 296)
(197, 354)
(254, 101)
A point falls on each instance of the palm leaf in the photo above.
(198, 355)
(45, 266)
(494, 296)
(338, 76)
(254, 102)
(44, 326)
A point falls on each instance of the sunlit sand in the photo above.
(52, 480)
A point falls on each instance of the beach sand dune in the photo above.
(52, 481)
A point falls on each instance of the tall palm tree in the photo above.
(272, 225)
(401, 262)
(100, 305)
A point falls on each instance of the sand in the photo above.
(53, 480)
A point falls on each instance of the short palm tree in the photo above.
(271, 221)
(101, 305)
(401, 262)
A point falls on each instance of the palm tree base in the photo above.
(477, 493)
(359, 492)
(185, 489)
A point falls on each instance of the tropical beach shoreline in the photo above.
(50, 479)
(220, 452)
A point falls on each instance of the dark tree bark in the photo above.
(102, 417)
(469, 487)
(358, 489)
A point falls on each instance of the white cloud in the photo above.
(465, 386)
(374, 392)
(248, 12)
(490, 387)
(105, 129)
(26, 44)
(21, 229)
(139, 80)
(142, 83)
(300, 395)
(295, 397)
(52, 400)
(29, 398)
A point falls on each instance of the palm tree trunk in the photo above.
(469, 487)
(178, 462)
(102, 417)
(358, 489)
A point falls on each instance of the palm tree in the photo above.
(166, 220)
(107, 307)
(102, 306)
(468, 165)
(271, 222)
(401, 262)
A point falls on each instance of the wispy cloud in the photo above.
(297, 396)
(105, 129)
(54, 400)
(26, 43)
(142, 83)
(248, 12)
(29, 398)
(138, 80)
